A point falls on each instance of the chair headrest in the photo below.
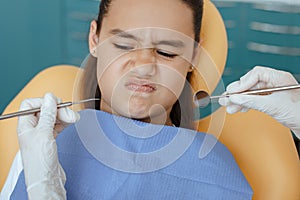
(213, 52)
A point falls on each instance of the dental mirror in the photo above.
(203, 99)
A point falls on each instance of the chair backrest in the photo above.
(264, 150)
(59, 80)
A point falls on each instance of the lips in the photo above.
(140, 86)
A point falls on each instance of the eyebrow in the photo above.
(174, 43)
(123, 34)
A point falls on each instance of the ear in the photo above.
(195, 58)
(93, 38)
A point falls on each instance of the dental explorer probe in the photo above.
(35, 110)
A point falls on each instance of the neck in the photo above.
(162, 117)
(158, 120)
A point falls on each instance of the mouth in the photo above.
(141, 86)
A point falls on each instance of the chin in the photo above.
(142, 111)
(139, 114)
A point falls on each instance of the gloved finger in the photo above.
(238, 86)
(31, 103)
(28, 121)
(256, 102)
(224, 101)
(254, 79)
(68, 116)
(234, 87)
(48, 113)
(271, 77)
(259, 85)
(233, 109)
(256, 75)
(244, 110)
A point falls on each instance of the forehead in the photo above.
(137, 14)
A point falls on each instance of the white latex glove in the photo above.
(283, 106)
(44, 176)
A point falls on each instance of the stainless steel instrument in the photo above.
(35, 110)
(202, 98)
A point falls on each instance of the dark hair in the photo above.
(195, 5)
(180, 119)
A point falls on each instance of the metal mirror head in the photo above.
(201, 99)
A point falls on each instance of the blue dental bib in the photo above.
(111, 157)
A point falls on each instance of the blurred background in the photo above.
(37, 34)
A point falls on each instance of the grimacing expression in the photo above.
(144, 52)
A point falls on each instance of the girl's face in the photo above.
(144, 50)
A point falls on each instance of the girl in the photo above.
(142, 143)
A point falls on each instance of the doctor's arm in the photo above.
(283, 106)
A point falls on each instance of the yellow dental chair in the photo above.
(263, 148)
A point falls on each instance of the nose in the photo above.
(144, 62)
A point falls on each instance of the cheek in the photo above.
(173, 77)
(109, 57)
(107, 77)
(111, 76)
(106, 86)
(111, 67)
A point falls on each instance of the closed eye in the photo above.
(166, 54)
(123, 47)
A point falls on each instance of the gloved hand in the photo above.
(44, 176)
(283, 106)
